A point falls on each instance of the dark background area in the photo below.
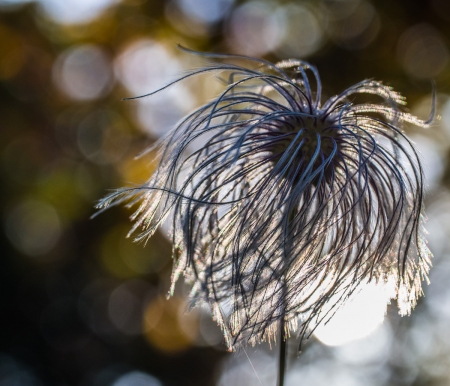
(81, 304)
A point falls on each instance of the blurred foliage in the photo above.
(83, 305)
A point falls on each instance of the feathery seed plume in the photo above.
(291, 202)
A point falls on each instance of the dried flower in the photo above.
(289, 204)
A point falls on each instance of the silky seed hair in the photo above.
(289, 204)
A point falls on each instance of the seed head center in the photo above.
(306, 139)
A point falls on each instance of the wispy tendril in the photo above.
(289, 203)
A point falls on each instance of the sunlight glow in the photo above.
(75, 11)
(360, 316)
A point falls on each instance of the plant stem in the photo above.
(283, 341)
(283, 335)
(282, 354)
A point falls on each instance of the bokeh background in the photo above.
(80, 304)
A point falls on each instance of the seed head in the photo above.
(289, 204)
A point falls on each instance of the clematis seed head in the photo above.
(290, 203)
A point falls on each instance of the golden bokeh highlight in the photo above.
(163, 328)
(12, 53)
(60, 188)
(138, 169)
